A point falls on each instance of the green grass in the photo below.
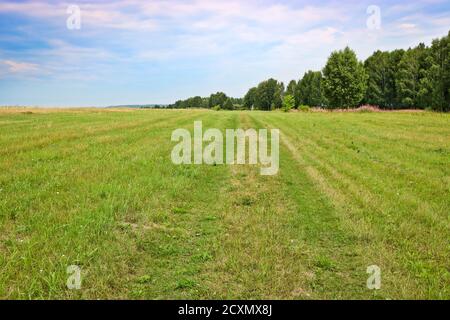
(97, 189)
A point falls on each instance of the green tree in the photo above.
(317, 97)
(445, 66)
(278, 97)
(433, 87)
(345, 80)
(228, 105)
(393, 91)
(444, 62)
(217, 99)
(205, 102)
(237, 101)
(309, 90)
(288, 102)
(408, 78)
(250, 98)
(269, 95)
(194, 102)
(291, 88)
(178, 104)
(412, 69)
(379, 82)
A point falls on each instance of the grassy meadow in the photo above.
(97, 189)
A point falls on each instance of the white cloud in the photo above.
(247, 39)
(197, 14)
(407, 26)
(19, 67)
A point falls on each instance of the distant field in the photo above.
(97, 189)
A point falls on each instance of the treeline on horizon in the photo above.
(416, 78)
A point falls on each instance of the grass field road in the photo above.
(97, 189)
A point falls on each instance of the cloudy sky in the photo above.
(158, 51)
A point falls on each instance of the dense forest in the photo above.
(415, 78)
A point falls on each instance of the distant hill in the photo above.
(140, 106)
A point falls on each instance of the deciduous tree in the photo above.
(345, 80)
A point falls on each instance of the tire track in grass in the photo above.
(357, 187)
(254, 258)
(173, 261)
(396, 277)
(43, 232)
(406, 237)
(38, 171)
(50, 123)
(72, 147)
(163, 231)
(363, 192)
(339, 142)
(430, 129)
(396, 169)
(106, 255)
(337, 252)
(280, 239)
(89, 131)
(383, 156)
(305, 158)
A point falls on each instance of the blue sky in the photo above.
(158, 51)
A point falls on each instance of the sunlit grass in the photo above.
(97, 189)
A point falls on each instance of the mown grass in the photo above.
(97, 189)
